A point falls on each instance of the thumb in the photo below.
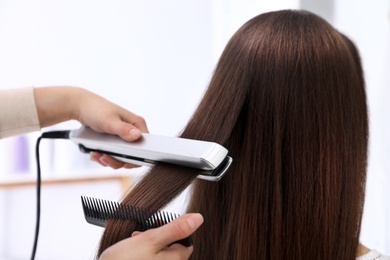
(126, 131)
(179, 228)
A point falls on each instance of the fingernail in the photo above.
(195, 220)
(134, 133)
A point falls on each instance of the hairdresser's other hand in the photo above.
(155, 244)
(61, 103)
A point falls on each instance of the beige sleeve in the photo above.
(18, 113)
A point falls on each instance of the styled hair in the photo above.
(287, 100)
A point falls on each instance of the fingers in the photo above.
(106, 160)
(157, 243)
(129, 127)
(126, 131)
(137, 121)
(94, 156)
(177, 251)
(129, 131)
(122, 123)
(180, 228)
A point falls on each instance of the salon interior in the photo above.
(154, 58)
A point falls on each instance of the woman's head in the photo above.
(287, 99)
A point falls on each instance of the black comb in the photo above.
(98, 212)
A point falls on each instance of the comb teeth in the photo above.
(97, 210)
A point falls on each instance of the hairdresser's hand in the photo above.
(156, 243)
(58, 104)
(104, 116)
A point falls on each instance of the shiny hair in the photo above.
(287, 100)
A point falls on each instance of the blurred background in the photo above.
(154, 58)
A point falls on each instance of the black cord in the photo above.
(49, 135)
(38, 198)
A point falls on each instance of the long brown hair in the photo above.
(287, 100)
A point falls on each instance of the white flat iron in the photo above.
(209, 157)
